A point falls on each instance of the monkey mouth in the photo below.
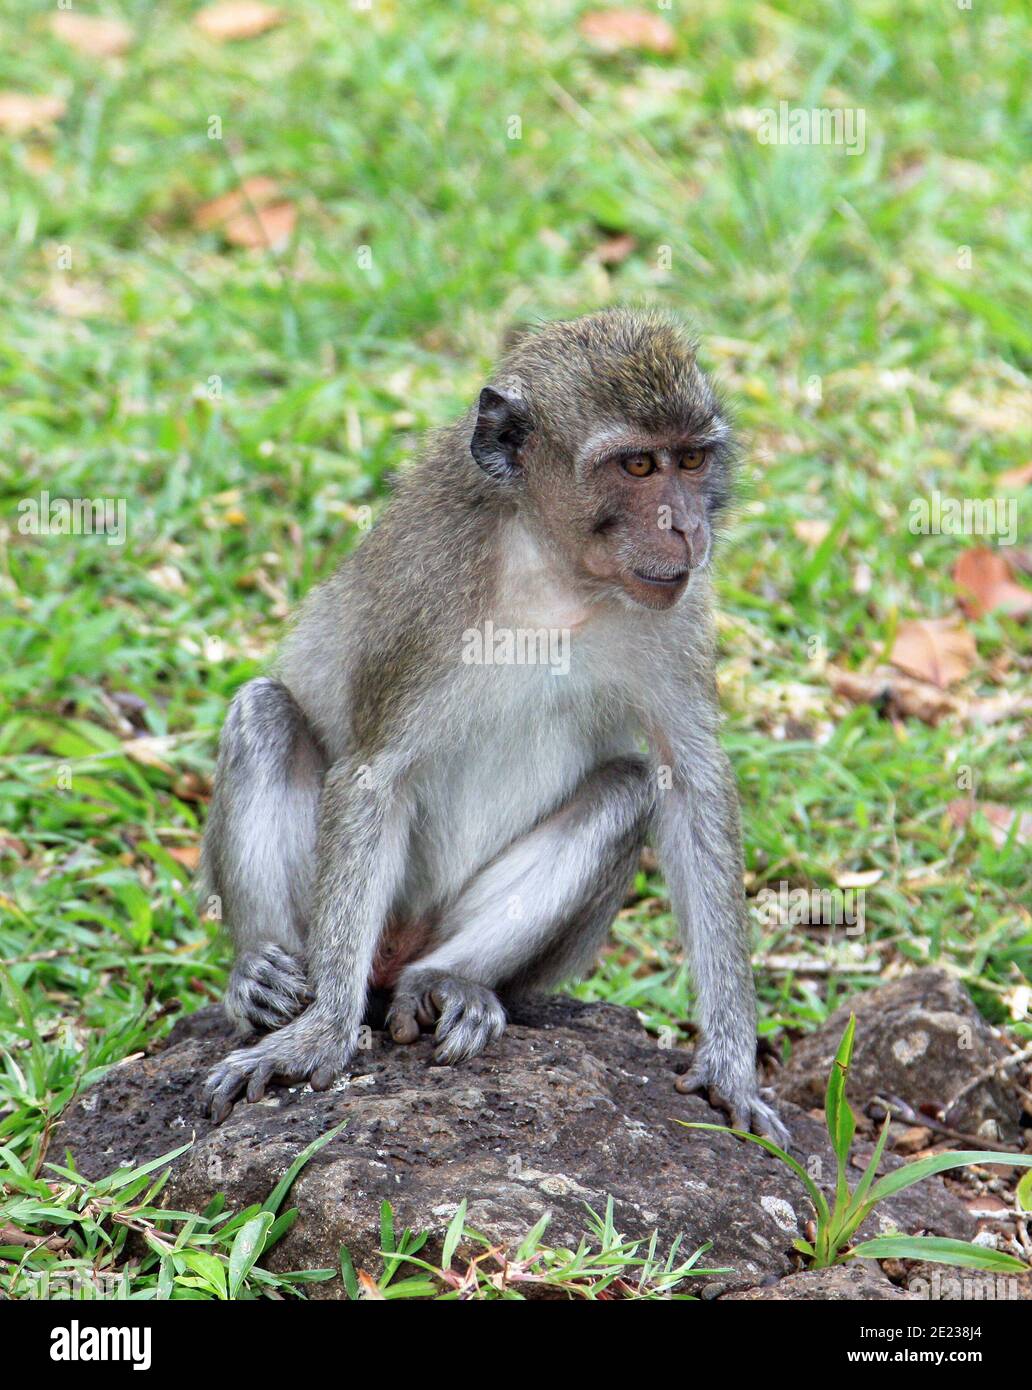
(663, 581)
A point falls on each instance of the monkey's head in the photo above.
(614, 446)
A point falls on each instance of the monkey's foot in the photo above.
(267, 989)
(745, 1108)
(314, 1048)
(468, 1016)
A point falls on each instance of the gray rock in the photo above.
(576, 1102)
(859, 1281)
(943, 1283)
(919, 1038)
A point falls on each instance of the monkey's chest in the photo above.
(497, 781)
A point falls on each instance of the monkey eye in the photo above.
(693, 459)
(638, 465)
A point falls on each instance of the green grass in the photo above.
(245, 404)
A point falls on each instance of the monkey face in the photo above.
(610, 438)
(651, 523)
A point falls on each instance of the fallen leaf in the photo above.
(147, 750)
(614, 30)
(988, 1205)
(812, 532)
(1015, 477)
(237, 19)
(253, 216)
(862, 878)
(191, 787)
(937, 650)
(187, 855)
(92, 35)
(75, 298)
(1000, 819)
(615, 250)
(167, 577)
(253, 192)
(912, 1140)
(21, 112)
(898, 694)
(270, 227)
(13, 1235)
(987, 585)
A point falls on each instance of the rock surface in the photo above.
(575, 1102)
(919, 1038)
(944, 1284)
(860, 1281)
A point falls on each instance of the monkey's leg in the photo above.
(535, 915)
(364, 818)
(259, 851)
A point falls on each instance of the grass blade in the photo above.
(275, 1198)
(912, 1173)
(816, 1195)
(938, 1250)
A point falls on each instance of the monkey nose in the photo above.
(692, 541)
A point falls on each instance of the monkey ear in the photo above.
(502, 428)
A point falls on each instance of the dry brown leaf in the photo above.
(812, 532)
(90, 34)
(187, 855)
(191, 787)
(986, 582)
(614, 30)
(988, 1206)
(615, 250)
(912, 1141)
(900, 695)
(254, 216)
(253, 192)
(270, 226)
(937, 650)
(237, 19)
(1015, 477)
(1000, 819)
(21, 112)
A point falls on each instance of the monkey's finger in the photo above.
(323, 1077)
(691, 1082)
(222, 1097)
(428, 1008)
(766, 1122)
(260, 1079)
(404, 1026)
(465, 1032)
(451, 1010)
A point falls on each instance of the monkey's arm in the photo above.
(698, 837)
(360, 857)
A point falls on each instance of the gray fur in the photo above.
(381, 777)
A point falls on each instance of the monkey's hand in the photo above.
(468, 1016)
(267, 989)
(315, 1048)
(741, 1100)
